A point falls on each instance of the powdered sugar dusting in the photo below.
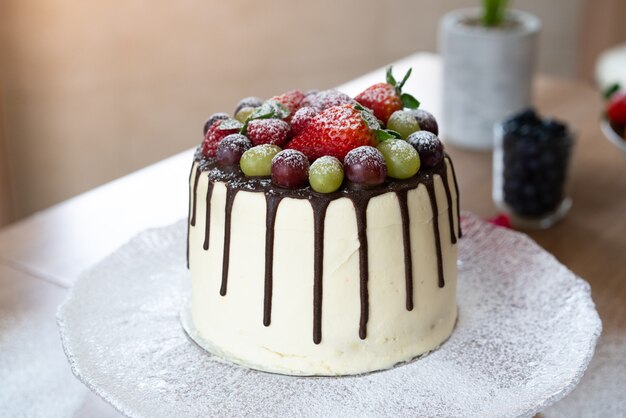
(364, 155)
(269, 131)
(327, 98)
(292, 158)
(521, 342)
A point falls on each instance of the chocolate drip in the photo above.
(458, 205)
(235, 181)
(430, 186)
(231, 192)
(319, 216)
(195, 193)
(207, 224)
(272, 201)
(406, 240)
(444, 177)
(192, 209)
(360, 207)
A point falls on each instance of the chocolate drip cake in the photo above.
(335, 255)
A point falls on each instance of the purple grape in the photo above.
(231, 148)
(428, 146)
(425, 120)
(290, 169)
(365, 166)
(248, 102)
(212, 119)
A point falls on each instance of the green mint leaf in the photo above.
(265, 111)
(371, 120)
(280, 111)
(409, 101)
(385, 134)
(390, 79)
(405, 78)
(613, 88)
(394, 133)
(229, 124)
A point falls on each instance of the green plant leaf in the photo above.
(405, 78)
(385, 134)
(280, 111)
(390, 79)
(229, 124)
(372, 122)
(494, 12)
(409, 101)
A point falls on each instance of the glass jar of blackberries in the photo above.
(530, 163)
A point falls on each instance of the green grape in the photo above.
(244, 113)
(403, 122)
(401, 158)
(326, 174)
(257, 161)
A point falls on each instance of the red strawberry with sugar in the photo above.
(290, 100)
(386, 98)
(335, 132)
(301, 119)
(268, 131)
(322, 100)
(218, 131)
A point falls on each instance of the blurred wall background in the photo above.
(91, 90)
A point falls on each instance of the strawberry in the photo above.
(290, 100)
(335, 131)
(268, 131)
(616, 108)
(322, 100)
(216, 132)
(301, 119)
(386, 98)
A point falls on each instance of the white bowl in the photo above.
(612, 136)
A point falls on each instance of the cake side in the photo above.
(401, 318)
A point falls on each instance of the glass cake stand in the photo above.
(526, 332)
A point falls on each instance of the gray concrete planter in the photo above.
(487, 73)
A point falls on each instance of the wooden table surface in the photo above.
(41, 256)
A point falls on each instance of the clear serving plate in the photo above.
(526, 332)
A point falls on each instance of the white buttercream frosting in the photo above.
(233, 323)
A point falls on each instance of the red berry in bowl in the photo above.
(231, 148)
(428, 146)
(269, 131)
(290, 169)
(616, 109)
(301, 119)
(365, 166)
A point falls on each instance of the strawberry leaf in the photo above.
(409, 101)
(385, 134)
(390, 79)
(404, 79)
(227, 124)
